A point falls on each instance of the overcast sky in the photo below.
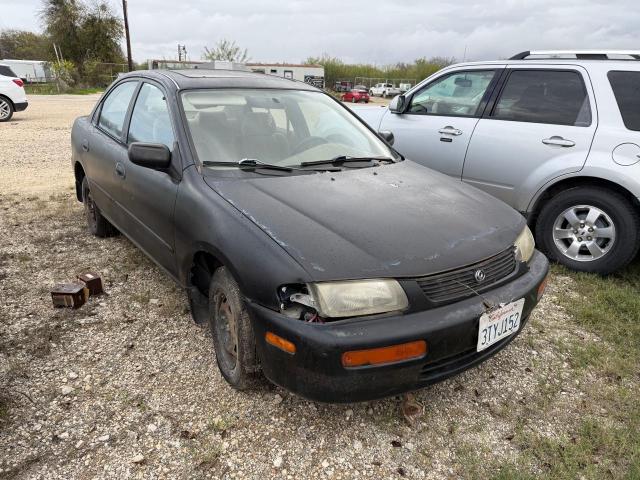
(380, 32)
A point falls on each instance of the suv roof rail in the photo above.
(579, 54)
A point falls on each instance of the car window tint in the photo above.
(6, 71)
(150, 120)
(626, 88)
(544, 96)
(114, 108)
(457, 94)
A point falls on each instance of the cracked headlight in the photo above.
(352, 298)
(525, 244)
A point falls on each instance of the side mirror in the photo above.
(387, 136)
(150, 155)
(397, 104)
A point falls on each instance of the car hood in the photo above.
(400, 220)
(371, 115)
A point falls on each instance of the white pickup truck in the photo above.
(384, 90)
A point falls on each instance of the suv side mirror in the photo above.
(387, 136)
(150, 155)
(397, 104)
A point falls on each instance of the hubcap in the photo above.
(584, 233)
(227, 330)
(4, 109)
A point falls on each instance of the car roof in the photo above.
(626, 64)
(218, 78)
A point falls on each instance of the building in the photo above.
(312, 74)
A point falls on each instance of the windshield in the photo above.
(282, 127)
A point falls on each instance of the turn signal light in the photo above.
(382, 355)
(542, 287)
(279, 342)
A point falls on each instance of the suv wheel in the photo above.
(589, 229)
(231, 331)
(98, 225)
(6, 110)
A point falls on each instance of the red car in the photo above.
(356, 96)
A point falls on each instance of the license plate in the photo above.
(499, 324)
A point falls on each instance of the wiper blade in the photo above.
(342, 159)
(247, 164)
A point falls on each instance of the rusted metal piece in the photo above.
(92, 281)
(72, 295)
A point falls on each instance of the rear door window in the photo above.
(626, 88)
(556, 97)
(114, 108)
(6, 71)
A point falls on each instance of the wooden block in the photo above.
(92, 281)
(71, 295)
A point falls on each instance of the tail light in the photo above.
(18, 82)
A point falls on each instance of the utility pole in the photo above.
(126, 33)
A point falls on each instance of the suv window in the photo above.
(150, 120)
(544, 96)
(626, 88)
(114, 108)
(6, 71)
(456, 94)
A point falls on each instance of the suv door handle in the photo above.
(556, 140)
(449, 130)
(120, 171)
(85, 145)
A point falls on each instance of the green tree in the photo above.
(226, 50)
(62, 20)
(100, 34)
(23, 45)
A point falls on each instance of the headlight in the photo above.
(357, 297)
(524, 245)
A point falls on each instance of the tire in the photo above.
(231, 331)
(353, 100)
(6, 109)
(97, 224)
(615, 233)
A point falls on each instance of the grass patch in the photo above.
(51, 89)
(610, 308)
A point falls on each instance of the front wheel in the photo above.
(6, 110)
(97, 224)
(231, 330)
(589, 229)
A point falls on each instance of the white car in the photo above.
(12, 95)
(384, 90)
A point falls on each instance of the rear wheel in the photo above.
(589, 229)
(353, 100)
(98, 225)
(231, 331)
(6, 109)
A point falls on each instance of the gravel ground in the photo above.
(126, 386)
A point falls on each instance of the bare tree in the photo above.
(226, 50)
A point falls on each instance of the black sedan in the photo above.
(316, 254)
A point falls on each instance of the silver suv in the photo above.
(555, 134)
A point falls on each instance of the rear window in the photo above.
(626, 88)
(6, 71)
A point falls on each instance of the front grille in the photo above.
(454, 285)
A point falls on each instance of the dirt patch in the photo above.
(127, 385)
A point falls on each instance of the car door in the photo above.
(540, 126)
(436, 126)
(103, 147)
(147, 196)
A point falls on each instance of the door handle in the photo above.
(449, 130)
(85, 145)
(556, 140)
(120, 171)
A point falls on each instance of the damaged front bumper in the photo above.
(315, 370)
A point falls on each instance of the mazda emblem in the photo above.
(479, 276)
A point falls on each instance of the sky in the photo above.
(379, 32)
